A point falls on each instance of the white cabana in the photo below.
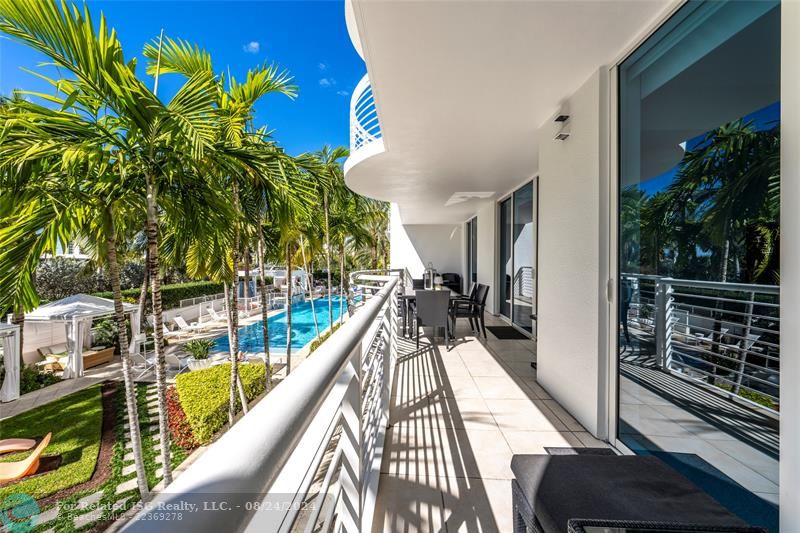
(9, 338)
(77, 313)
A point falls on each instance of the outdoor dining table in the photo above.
(410, 295)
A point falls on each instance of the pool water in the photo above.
(251, 337)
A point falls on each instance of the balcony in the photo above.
(366, 138)
(373, 434)
(371, 430)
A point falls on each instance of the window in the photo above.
(699, 140)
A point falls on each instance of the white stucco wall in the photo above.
(413, 246)
(571, 295)
(790, 266)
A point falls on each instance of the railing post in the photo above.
(663, 309)
(350, 477)
(670, 326)
(744, 342)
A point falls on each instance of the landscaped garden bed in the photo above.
(95, 482)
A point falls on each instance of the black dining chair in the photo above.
(471, 308)
(432, 309)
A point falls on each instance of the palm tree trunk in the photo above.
(143, 291)
(309, 279)
(246, 260)
(328, 256)
(264, 310)
(725, 255)
(234, 316)
(341, 284)
(289, 284)
(127, 373)
(158, 324)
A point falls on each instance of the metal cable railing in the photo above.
(307, 456)
(726, 335)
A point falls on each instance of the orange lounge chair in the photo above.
(29, 465)
(16, 445)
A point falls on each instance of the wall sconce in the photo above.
(563, 127)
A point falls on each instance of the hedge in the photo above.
(179, 426)
(171, 295)
(203, 395)
(322, 338)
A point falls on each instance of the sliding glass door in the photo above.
(517, 268)
(699, 230)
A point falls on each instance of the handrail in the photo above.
(231, 486)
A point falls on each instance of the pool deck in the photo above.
(113, 370)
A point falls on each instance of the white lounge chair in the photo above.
(142, 361)
(175, 362)
(215, 316)
(188, 328)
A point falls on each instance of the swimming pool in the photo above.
(251, 337)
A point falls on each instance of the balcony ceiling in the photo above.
(461, 89)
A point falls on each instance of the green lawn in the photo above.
(75, 422)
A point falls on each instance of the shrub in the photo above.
(203, 396)
(105, 332)
(31, 379)
(199, 348)
(59, 277)
(171, 295)
(322, 338)
(320, 276)
(179, 425)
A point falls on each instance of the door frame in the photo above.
(509, 195)
(612, 283)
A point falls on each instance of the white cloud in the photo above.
(342, 93)
(252, 47)
(327, 82)
(323, 66)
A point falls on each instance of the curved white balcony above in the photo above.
(463, 94)
(366, 138)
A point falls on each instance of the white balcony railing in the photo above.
(306, 457)
(364, 125)
(722, 334)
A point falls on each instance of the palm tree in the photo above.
(331, 189)
(161, 139)
(731, 180)
(232, 123)
(68, 192)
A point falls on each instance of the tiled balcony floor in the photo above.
(456, 419)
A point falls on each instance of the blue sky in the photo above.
(309, 39)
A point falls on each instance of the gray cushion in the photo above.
(613, 488)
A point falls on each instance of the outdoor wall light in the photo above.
(563, 131)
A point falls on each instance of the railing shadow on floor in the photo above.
(429, 456)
